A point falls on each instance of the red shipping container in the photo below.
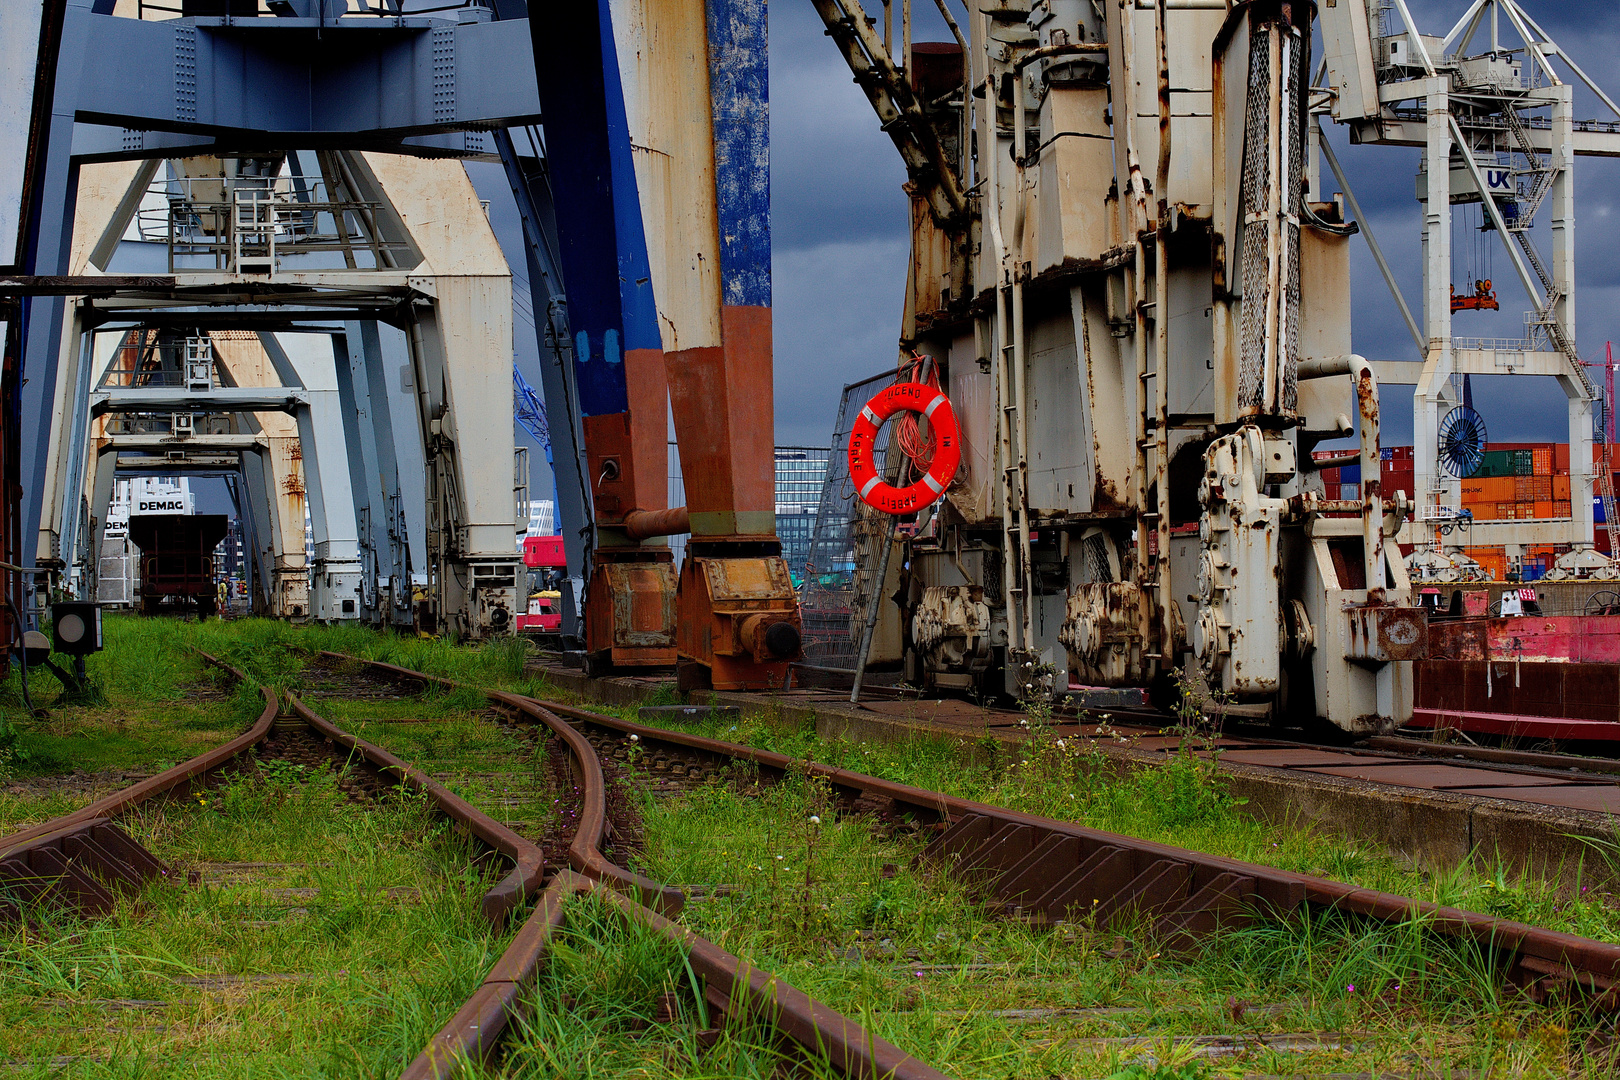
(1331, 475)
(1561, 458)
(1560, 487)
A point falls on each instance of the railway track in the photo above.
(1043, 867)
(1557, 780)
(1027, 867)
(82, 860)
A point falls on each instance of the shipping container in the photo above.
(1349, 474)
(1402, 453)
(1544, 509)
(1562, 508)
(1561, 458)
(1386, 453)
(1495, 463)
(1542, 460)
(1493, 559)
(1331, 475)
(1350, 491)
(1560, 487)
(1524, 463)
(1532, 488)
(1597, 512)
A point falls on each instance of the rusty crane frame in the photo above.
(1141, 315)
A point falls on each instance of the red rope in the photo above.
(907, 426)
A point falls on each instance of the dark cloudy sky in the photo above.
(840, 229)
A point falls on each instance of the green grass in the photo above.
(619, 1000)
(914, 955)
(340, 963)
(1185, 803)
(150, 715)
(887, 949)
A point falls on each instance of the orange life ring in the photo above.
(936, 407)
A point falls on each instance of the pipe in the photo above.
(646, 524)
(992, 214)
(873, 601)
(1047, 52)
(1161, 358)
(1020, 362)
(1365, 384)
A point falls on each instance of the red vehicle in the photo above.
(544, 553)
(541, 554)
(177, 558)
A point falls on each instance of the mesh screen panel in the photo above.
(832, 603)
(1256, 200)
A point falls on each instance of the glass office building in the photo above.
(799, 472)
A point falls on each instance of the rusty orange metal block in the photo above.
(630, 608)
(739, 617)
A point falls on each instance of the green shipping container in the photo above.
(1497, 463)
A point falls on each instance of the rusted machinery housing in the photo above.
(1137, 300)
(177, 559)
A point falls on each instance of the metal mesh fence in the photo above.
(833, 603)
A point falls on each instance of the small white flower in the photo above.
(779, 858)
(814, 820)
(635, 738)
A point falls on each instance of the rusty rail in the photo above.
(735, 982)
(731, 982)
(528, 862)
(120, 802)
(472, 1034)
(77, 860)
(1045, 866)
(1016, 854)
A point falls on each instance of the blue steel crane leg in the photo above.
(354, 399)
(101, 489)
(256, 478)
(45, 248)
(389, 520)
(556, 380)
(618, 355)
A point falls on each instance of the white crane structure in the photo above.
(1495, 118)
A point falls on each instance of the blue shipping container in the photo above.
(1597, 512)
(1349, 474)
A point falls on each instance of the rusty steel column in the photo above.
(698, 102)
(619, 357)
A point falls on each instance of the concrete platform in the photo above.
(1433, 815)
